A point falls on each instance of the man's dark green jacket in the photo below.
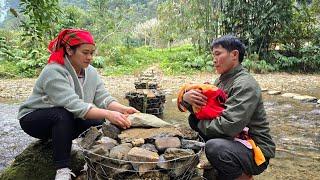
(244, 108)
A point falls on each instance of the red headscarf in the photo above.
(71, 37)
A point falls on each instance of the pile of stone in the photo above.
(147, 97)
(151, 149)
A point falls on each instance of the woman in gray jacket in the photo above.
(69, 97)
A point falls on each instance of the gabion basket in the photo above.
(103, 167)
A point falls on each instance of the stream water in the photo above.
(295, 127)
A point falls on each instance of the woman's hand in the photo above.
(195, 98)
(129, 110)
(118, 119)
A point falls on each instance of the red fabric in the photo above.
(71, 37)
(214, 106)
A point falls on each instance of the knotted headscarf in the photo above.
(71, 37)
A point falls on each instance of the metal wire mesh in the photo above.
(104, 167)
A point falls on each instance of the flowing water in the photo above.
(295, 127)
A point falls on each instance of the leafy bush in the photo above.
(260, 66)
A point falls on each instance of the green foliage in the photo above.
(307, 60)
(38, 21)
(260, 66)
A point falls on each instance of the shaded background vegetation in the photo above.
(174, 34)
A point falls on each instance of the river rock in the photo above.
(274, 92)
(167, 142)
(36, 163)
(138, 154)
(188, 133)
(137, 142)
(99, 151)
(175, 153)
(192, 144)
(289, 95)
(305, 98)
(108, 142)
(110, 130)
(150, 147)
(120, 153)
(131, 134)
(146, 120)
(90, 138)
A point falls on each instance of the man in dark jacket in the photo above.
(243, 108)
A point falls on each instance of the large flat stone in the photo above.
(305, 98)
(192, 144)
(110, 130)
(90, 138)
(274, 92)
(290, 95)
(146, 120)
(137, 155)
(131, 134)
(109, 143)
(120, 153)
(176, 153)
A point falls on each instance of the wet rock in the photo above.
(120, 153)
(36, 163)
(305, 98)
(90, 138)
(175, 153)
(137, 142)
(110, 130)
(192, 144)
(137, 154)
(167, 142)
(109, 143)
(131, 134)
(146, 120)
(150, 147)
(289, 95)
(274, 92)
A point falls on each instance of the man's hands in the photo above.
(195, 98)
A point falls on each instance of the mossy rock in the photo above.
(36, 163)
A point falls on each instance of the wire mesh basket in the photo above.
(105, 167)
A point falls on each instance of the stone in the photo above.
(137, 142)
(139, 156)
(167, 142)
(131, 134)
(110, 130)
(179, 168)
(188, 133)
(149, 147)
(36, 163)
(120, 153)
(274, 92)
(264, 89)
(153, 175)
(192, 144)
(305, 98)
(110, 170)
(108, 142)
(90, 138)
(289, 95)
(318, 101)
(146, 120)
(176, 153)
(98, 152)
(162, 163)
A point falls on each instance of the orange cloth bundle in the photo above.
(215, 102)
